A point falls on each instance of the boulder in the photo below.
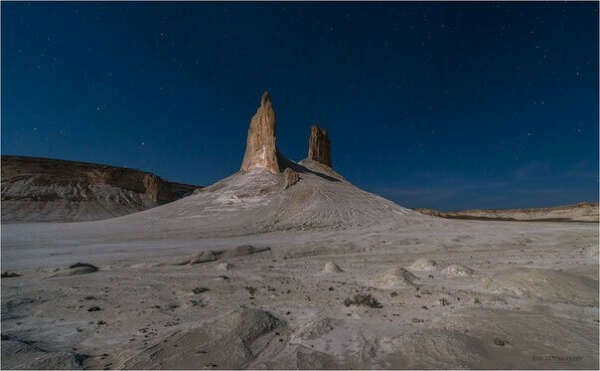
(291, 177)
(395, 278)
(457, 270)
(423, 265)
(331, 267)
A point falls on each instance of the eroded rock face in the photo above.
(319, 146)
(261, 151)
(46, 190)
(291, 177)
(157, 189)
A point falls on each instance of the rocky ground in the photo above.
(287, 265)
(250, 274)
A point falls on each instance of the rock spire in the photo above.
(261, 151)
(319, 146)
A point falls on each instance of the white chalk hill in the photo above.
(260, 198)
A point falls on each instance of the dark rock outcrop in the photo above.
(157, 189)
(261, 150)
(42, 189)
(319, 146)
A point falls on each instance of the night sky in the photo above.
(440, 105)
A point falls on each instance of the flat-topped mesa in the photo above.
(261, 151)
(319, 146)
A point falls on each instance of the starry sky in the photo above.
(440, 105)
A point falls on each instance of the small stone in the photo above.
(331, 267)
(499, 342)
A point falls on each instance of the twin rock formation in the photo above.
(261, 149)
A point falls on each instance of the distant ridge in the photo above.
(38, 189)
(579, 212)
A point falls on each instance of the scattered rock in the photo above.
(424, 265)
(198, 303)
(395, 278)
(243, 250)
(224, 266)
(457, 270)
(203, 257)
(94, 309)
(499, 342)
(290, 178)
(9, 274)
(200, 290)
(364, 300)
(331, 267)
(85, 266)
(76, 269)
(197, 258)
(318, 328)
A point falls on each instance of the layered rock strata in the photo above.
(319, 146)
(261, 150)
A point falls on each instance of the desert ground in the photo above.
(247, 274)
(287, 265)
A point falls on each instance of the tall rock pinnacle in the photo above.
(261, 151)
(319, 146)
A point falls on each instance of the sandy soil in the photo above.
(237, 276)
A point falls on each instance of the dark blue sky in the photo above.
(442, 105)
